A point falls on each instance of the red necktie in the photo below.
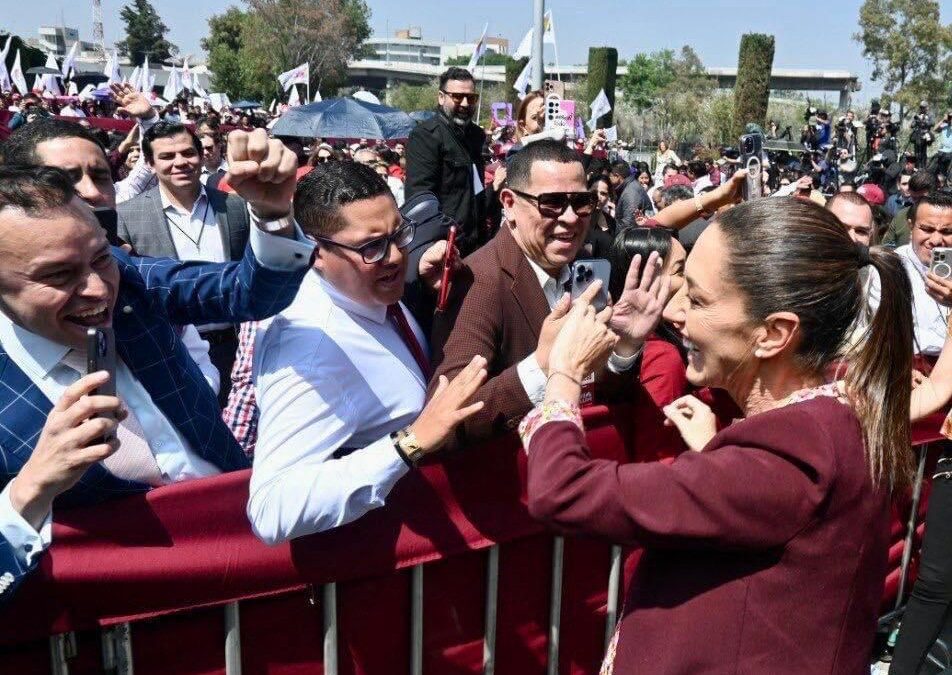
(395, 314)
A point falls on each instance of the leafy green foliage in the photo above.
(513, 69)
(909, 48)
(647, 76)
(248, 49)
(411, 97)
(752, 91)
(145, 34)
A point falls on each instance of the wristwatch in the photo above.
(408, 447)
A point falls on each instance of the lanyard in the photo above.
(201, 231)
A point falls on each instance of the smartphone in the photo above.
(101, 355)
(584, 274)
(751, 152)
(447, 270)
(941, 265)
(560, 115)
(556, 87)
(109, 221)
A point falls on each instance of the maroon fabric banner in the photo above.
(189, 547)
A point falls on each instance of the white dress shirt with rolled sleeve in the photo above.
(333, 379)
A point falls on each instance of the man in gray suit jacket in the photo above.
(180, 218)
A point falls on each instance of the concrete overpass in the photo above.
(379, 75)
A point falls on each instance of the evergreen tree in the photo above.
(145, 34)
(752, 91)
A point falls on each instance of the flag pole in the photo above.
(482, 82)
(535, 58)
(555, 46)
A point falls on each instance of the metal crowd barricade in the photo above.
(118, 640)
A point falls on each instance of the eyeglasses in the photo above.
(554, 204)
(472, 99)
(377, 249)
(323, 158)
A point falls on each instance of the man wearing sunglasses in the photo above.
(507, 302)
(340, 376)
(444, 156)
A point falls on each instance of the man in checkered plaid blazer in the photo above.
(58, 277)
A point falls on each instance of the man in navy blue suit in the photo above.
(58, 277)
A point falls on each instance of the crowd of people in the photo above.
(299, 307)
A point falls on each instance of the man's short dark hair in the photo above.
(329, 186)
(621, 168)
(34, 189)
(519, 166)
(854, 198)
(20, 147)
(455, 73)
(922, 181)
(940, 199)
(697, 168)
(166, 130)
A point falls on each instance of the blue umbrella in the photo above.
(242, 105)
(344, 118)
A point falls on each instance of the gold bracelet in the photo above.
(697, 204)
(577, 383)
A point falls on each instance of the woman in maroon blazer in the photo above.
(766, 551)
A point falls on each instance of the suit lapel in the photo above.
(525, 287)
(164, 246)
(220, 207)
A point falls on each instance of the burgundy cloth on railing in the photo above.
(189, 545)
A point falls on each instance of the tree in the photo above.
(513, 69)
(909, 49)
(752, 91)
(411, 97)
(327, 34)
(490, 58)
(226, 60)
(602, 69)
(647, 75)
(145, 34)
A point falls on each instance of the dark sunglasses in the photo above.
(458, 98)
(377, 249)
(554, 204)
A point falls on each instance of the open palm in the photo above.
(638, 309)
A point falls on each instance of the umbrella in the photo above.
(366, 96)
(246, 105)
(345, 118)
(43, 70)
(91, 76)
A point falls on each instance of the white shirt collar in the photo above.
(36, 355)
(376, 313)
(909, 254)
(546, 279)
(166, 203)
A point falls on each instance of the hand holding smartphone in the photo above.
(585, 273)
(101, 355)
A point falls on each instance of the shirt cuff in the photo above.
(27, 543)
(384, 464)
(280, 254)
(622, 364)
(145, 125)
(551, 411)
(532, 379)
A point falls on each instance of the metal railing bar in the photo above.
(492, 599)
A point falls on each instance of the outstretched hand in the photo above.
(639, 307)
(451, 404)
(132, 102)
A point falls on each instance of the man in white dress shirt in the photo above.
(340, 376)
(930, 221)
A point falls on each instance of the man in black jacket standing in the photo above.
(444, 156)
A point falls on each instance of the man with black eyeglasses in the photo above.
(340, 375)
(509, 300)
(444, 156)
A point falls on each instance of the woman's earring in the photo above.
(759, 354)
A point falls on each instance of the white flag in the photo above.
(299, 75)
(478, 50)
(172, 86)
(143, 83)
(49, 82)
(600, 106)
(136, 78)
(294, 99)
(112, 69)
(69, 63)
(611, 134)
(71, 89)
(16, 76)
(198, 89)
(5, 83)
(87, 93)
(186, 76)
(548, 37)
(317, 98)
(273, 104)
(524, 82)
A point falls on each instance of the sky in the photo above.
(809, 33)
